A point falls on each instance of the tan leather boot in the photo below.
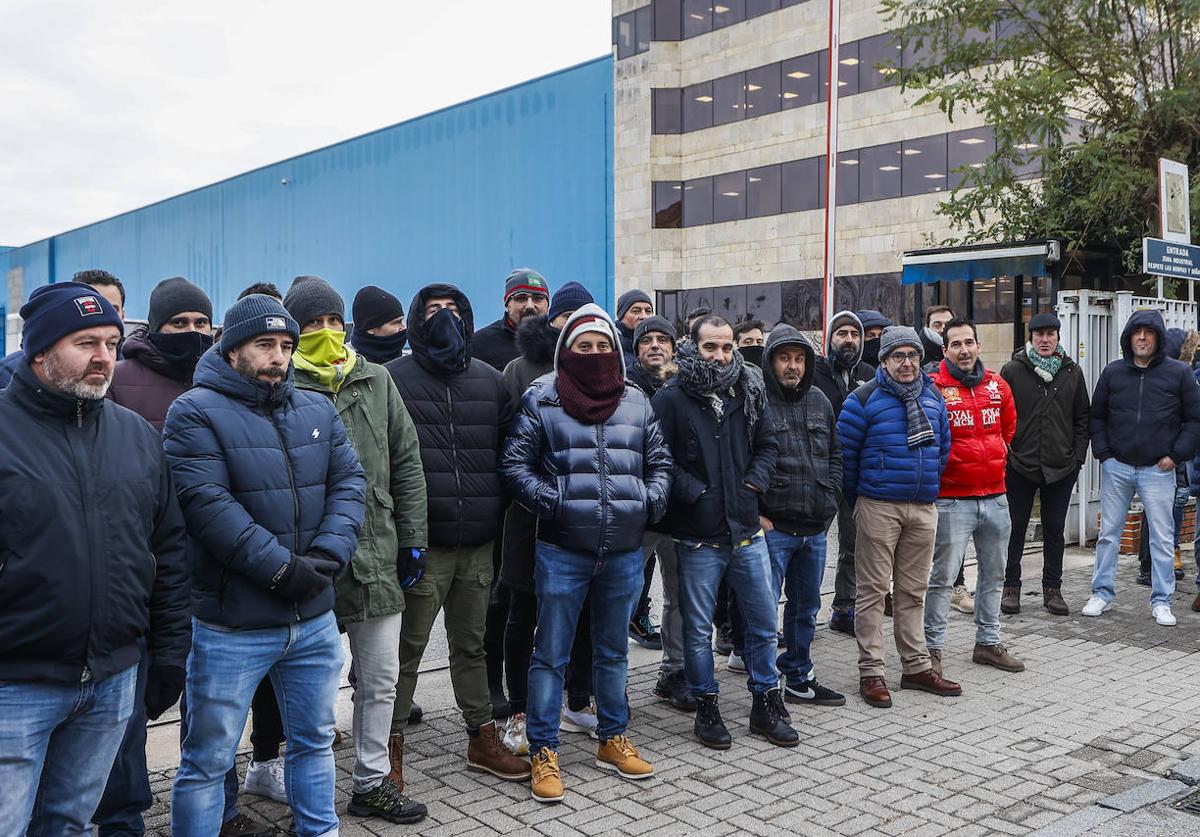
(396, 757)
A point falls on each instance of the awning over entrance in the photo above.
(984, 262)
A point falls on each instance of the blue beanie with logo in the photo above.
(54, 311)
(254, 315)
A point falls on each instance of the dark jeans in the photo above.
(127, 795)
(643, 608)
(844, 582)
(1056, 498)
(737, 625)
(518, 650)
(266, 727)
(798, 563)
(495, 628)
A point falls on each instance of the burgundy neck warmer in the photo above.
(590, 386)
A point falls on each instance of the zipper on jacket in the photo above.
(603, 487)
(295, 499)
(84, 472)
(79, 414)
(1141, 381)
(454, 460)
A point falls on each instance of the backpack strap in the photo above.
(864, 391)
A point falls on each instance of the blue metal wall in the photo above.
(521, 177)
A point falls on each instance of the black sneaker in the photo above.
(769, 718)
(724, 642)
(415, 715)
(780, 641)
(709, 727)
(1144, 579)
(673, 688)
(645, 633)
(241, 825)
(812, 693)
(386, 803)
(843, 623)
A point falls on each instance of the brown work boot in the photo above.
(996, 656)
(875, 692)
(396, 757)
(1010, 600)
(1052, 596)
(546, 781)
(487, 754)
(935, 659)
(932, 682)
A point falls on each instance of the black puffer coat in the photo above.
(807, 485)
(462, 419)
(594, 487)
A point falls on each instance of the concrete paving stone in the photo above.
(1142, 795)
(1079, 822)
(1187, 772)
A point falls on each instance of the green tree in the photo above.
(1089, 92)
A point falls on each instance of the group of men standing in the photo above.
(221, 507)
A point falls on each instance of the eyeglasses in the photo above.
(905, 357)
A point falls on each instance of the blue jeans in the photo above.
(563, 579)
(748, 570)
(1156, 487)
(798, 562)
(57, 745)
(988, 521)
(304, 661)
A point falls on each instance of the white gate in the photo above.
(1092, 322)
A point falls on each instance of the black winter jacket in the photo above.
(714, 459)
(833, 385)
(1052, 420)
(93, 550)
(494, 344)
(264, 473)
(1141, 414)
(462, 419)
(807, 485)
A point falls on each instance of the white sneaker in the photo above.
(735, 663)
(1095, 606)
(582, 721)
(514, 735)
(1163, 615)
(265, 778)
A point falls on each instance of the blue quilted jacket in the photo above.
(263, 473)
(876, 459)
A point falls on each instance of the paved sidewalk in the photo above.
(1105, 706)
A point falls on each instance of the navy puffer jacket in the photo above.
(594, 487)
(263, 473)
(1142, 413)
(876, 459)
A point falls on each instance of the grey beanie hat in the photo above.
(312, 296)
(653, 323)
(254, 315)
(896, 336)
(627, 299)
(174, 296)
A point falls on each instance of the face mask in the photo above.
(753, 354)
(871, 351)
(379, 349)
(445, 343)
(180, 349)
(324, 347)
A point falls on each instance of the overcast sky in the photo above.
(107, 106)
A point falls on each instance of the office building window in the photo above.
(799, 81)
(879, 62)
(729, 99)
(803, 184)
(762, 90)
(754, 8)
(879, 172)
(697, 17)
(728, 12)
(729, 197)
(848, 61)
(763, 195)
(698, 106)
(632, 32)
(667, 112)
(698, 202)
(645, 24)
(668, 20)
(626, 36)
(924, 162)
(968, 149)
(847, 177)
(668, 205)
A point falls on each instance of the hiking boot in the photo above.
(996, 656)
(1010, 600)
(932, 682)
(735, 663)
(619, 754)
(396, 757)
(545, 783)
(415, 715)
(265, 778)
(813, 693)
(583, 720)
(514, 735)
(709, 727)
(843, 623)
(875, 692)
(723, 644)
(673, 688)
(1052, 597)
(645, 633)
(241, 825)
(962, 600)
(386, 802)
(769, 718)
(935, 659)
(485, 754)
(887, 604)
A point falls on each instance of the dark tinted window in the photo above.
(668, 205)
(847, 177)
(799, 81)
(698, 202)
(802, 185)
(762, 90)
(668, 20)
(667, 114)
(729, 196)
(878, 172)
(754, 8)
(626, 36)
(729, 99)
(783, 4)
(968, 149)
(925, 165)
(697, 17)
(698, 106)
(728, 12)
(1028, 155)
(763, 195)
(643, 27)
(881, 50)
(848, 69)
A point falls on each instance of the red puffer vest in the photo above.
(983, 420)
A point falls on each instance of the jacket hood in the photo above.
(537, 339)
(137, 347)
(1173, 344)
(870, 318)
(216, 373)
(590, 310)
(840, 319)
(785, 335)
(1144, 319)
(416, 312)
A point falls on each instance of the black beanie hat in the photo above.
(174, 296)
(253, 315)
(570, 297)
(373, 306)
(653, 323)
(54, 311)
(312, 296)
(627, 299)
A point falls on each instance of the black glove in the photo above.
(164, 684)
(410, 566)
(305, 577)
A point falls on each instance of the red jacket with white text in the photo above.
(983, 420)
